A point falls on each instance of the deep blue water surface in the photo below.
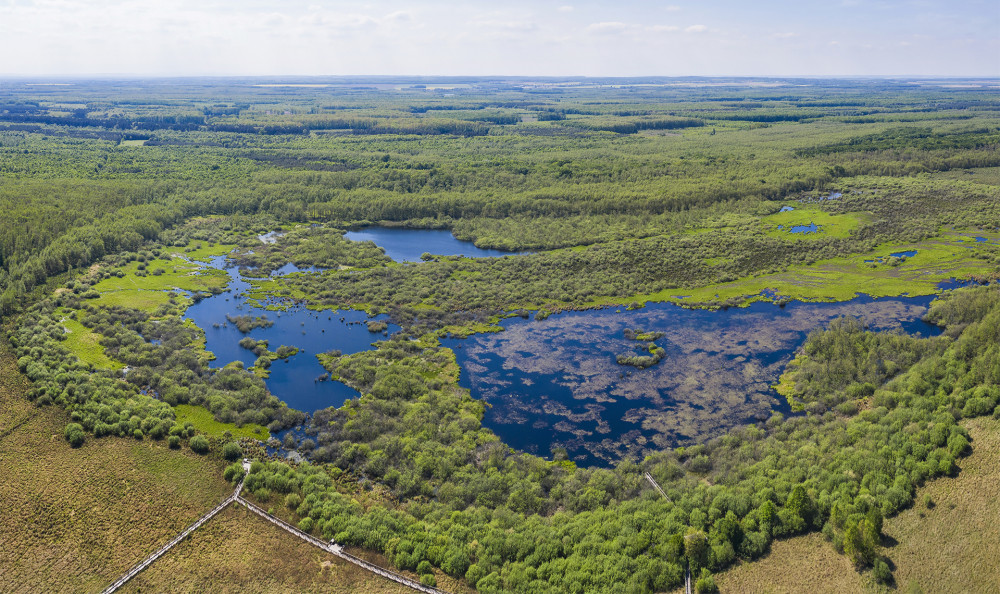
(407, 245)
(556, 383)
(312, 332)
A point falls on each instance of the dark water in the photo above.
(407, 245)
(556, 383)
(312, 332)
(810, 228)
(906, 254)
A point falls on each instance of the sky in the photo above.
(513, 37)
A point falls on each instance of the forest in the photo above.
(115, 196)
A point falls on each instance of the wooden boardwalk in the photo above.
(162, 550)
(338, 550)
(330, 547)
(687, 566)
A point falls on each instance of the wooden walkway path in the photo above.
(162, 550)
(687, 566)
(338, 550)
(330, 547)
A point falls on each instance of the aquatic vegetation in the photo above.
(643, 336)
(247, 323)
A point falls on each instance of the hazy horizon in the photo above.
(631, 38)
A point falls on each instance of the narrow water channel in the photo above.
(295, 380)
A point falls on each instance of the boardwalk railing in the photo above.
(338, 550)
(330, 547)
(162, 550)
(687, 566)
(656, 485)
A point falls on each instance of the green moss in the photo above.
(204, 422)
(830, 225)
(84, 344)
(842, 278)
(177, 274)
(203, 252)
(143, 300)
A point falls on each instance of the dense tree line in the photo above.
(512, 522)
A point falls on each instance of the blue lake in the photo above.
(787, 209)
(407, 245)
(312, 332)
(555, 383)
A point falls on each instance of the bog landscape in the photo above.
(500, 334)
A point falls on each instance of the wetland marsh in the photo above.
(555, 383)
(299, 379)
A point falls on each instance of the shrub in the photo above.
(881, 572)
(232, 451)
(233, 472)
(74, 434)
(428, 580)
(306, 524)
(705, 583)
(174, 442)
(199, 444)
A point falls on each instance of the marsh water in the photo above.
(294, 380)
(407, 245)
(556, 383)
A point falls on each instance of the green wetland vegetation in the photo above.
(114, 195)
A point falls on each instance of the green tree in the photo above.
(199, 444)
(74, 434)
(232, 451)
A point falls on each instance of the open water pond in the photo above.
(810, 228)
(293, 380)
(407, 245)
(556, 383)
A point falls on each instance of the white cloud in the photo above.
(627, 37)
(607, 28)
(507, 25)
(399, 15)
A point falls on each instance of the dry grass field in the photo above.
(952, 547)
(955, 545)
(239, 552)
(802, 564)
(75, 519)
